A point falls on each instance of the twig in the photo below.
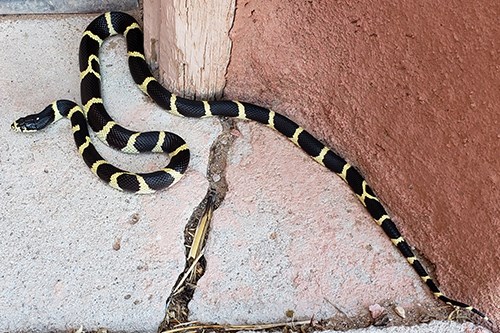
(230, 328)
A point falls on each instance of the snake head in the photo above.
(34, 122)
(26, 124)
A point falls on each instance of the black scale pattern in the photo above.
(81, 135)
(190, 108)
(310, 144)
(88, 47)
(97, 117)
(139, 70)
(119, 136)
(375, 208)
(146, 141)
(90, 88)
(256, 113)
(218, 108)
(160, 95)
(284, 125)
(129, 182)
(355, 180)
(157, 180)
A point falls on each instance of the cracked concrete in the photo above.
(77, 252)
(59, 222)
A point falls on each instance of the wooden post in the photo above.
(188, 42)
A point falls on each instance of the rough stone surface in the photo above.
(291, 236)
(408, 92)
(60, 223)
(433, 327)
(64, 6)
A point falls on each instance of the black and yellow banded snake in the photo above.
(111, 133)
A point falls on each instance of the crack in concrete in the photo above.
(176, 317)
(197, 229)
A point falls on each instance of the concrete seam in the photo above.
(177, 310)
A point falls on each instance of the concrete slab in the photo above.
(432, 327)
(64, 6)
(291, 236)
(59, 222)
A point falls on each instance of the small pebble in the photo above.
(235, 133)
(400, 311)
(117, 244)
(134, 218)
(376, 310)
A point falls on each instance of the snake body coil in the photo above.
(134, 142)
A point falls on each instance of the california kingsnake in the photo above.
(113, 23)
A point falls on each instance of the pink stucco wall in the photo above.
(408, 93)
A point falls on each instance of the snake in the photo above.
(94, 114)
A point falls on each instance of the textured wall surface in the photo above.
(189, 42)
(409, 94)
(64, 6)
